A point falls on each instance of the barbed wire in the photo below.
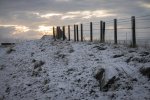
(120, 20)
(143, 16)
(143, 28)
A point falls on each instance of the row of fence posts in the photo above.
(102, 32)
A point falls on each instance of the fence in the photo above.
(133, 31)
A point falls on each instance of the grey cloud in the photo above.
(20, 12)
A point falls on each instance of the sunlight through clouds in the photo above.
(87, 14)
(78, 14)
(45, 30)
(18, 28)
(50, 15)
(68, 17)
(146, 5)
(102, 13)
(21, 29)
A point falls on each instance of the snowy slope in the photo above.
(60, 70)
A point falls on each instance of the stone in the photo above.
(10, 50)
(99, 48)
(117, 56)
(144, 53)
(38, 64)
(145, 71)
(105, 81)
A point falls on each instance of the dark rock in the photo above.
(91, 55)
(99, 48)
(46, 81)
(35, 73)
(14, 76)
(130, 51)
(70, 71)
(45, 88)
(109, 84)
(113, 96)
(105, 82)
(39, 69)
(141, 59)
(62, 56)
(116, 56)
(2, 67)
(42, 50)
(144, 53)
(7, 44)
(33, 61)
(7, 90)
(38, 64)
(100, 74)
(79, 80)
(115, 46)
(59, 56)
(96, 59)
(44, 71)
(92, 91)
(85, 85)
(129, 88)
(32, 54)
(71, 50)
(134, 79)
(145, 71)
(129, 59)
(10, 50)
(29, 84)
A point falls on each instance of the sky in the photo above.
(30, 19)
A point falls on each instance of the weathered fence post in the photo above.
(69, 32)
(133, 31)
(54, 33)
(74, 32)
(77, 32)
(64, 33)
(115, 31)
(81, 32)
(91, 32)
(101, 31)
(58, 32)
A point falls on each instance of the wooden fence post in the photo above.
(54, 33)
(58, 32)
(81, 32)
(101, 31)
(91, 32)
(64, 33)
(115, 31)
(69, 32)
(77, 32)
(74, 32)
(133, 31)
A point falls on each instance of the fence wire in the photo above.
(124, 30)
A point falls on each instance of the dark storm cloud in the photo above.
(29, 12)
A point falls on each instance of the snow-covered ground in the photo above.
(60, 70)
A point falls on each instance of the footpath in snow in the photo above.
(65, 70)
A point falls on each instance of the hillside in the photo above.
(61, 70)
